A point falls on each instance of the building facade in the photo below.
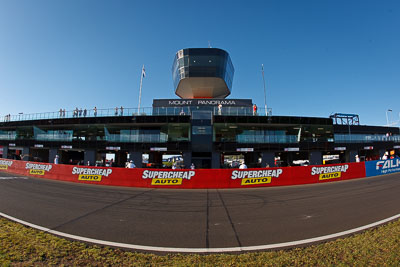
(202, 135)
(203, 127)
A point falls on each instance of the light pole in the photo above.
(387, 117)
(140, 88)
(265, 93)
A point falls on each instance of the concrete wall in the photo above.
(136, 156)
(315, 158)
(89, 157)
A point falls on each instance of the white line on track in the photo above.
(203, 250)
(12, 177)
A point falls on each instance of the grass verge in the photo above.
(24, 246)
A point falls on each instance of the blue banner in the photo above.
(380, 167)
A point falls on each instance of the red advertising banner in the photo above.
(184, 178)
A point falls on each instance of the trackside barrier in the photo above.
(380, 167)
(201, 178)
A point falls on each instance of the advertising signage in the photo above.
(380, 167)
(185, 178)
(202, 102)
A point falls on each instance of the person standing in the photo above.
(131, 165)
(254, 110)
(95, 111)
(122, 111)
(84, 112)
(219, 109)
(192, 166)
(56, 160)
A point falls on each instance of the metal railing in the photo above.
(114, 112)
(363, 138)
(266, 139)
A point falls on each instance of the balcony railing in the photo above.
(365, 138)
(265, 139)
(113, 112)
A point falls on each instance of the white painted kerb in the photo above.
(203, 250)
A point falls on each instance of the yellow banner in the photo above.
(169, 181)
(36, 172)
(3, 167)
(259, 180)
(86, 177)
(332, 175)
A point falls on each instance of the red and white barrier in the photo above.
(200, 178)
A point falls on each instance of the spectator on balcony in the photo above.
(76, 112)
(116, 111)
(95, 111)
(122, 111)
(84, 112)
(254, 110)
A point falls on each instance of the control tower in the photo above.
(202, 73)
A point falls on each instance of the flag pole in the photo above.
(265, 94)
(140, 88)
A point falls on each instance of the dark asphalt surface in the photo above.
(200, 218)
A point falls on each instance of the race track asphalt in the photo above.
(213, 218)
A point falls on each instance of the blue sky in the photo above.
(320, 57)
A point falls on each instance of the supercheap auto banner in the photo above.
(184, 178)
(380, 167)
